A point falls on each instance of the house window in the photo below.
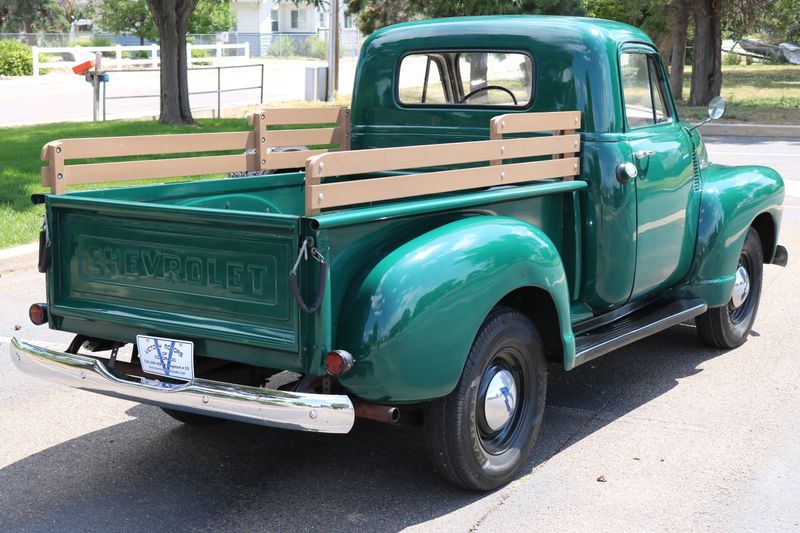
(274, 18)
(322, 19)
(348, 21)
(298, 19)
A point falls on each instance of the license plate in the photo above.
(166, 357)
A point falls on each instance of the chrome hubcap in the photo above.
(741, 287)
(501, 399)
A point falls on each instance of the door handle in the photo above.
(641, 154)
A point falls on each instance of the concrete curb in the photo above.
(19, 251)
(750, 130)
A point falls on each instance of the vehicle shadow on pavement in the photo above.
(152, 473)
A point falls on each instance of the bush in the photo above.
(282, 46)
(199, 52)
(16, 59)
(98, 40)
(314, 47)
(95, 41)
(731, 59)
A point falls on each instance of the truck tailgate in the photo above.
(192, 273)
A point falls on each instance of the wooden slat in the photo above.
(156, 144)
(310, 115)
(303, 137)
(532, 122)
(383, 159)
(157, 168)
(296, 159)
(328, 195)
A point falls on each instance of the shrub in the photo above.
(314, 47)
(199, 52)
(97, 40)
(282, 46)
(16, 59)
(731, 59)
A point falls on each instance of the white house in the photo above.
(261, 21)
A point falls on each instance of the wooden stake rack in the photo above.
(266, 147)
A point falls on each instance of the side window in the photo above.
(659, 98)
(642, 88)
(420, 80)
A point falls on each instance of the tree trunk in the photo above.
(707, 54)
(478, 73)
(171, 18)
(680, 27)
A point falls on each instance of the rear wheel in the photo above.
(482, 433)
(728, 326)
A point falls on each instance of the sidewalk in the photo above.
(749, 130)
(67, 97)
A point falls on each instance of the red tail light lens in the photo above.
(38, 314)
(338, 362)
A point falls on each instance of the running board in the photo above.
(635, 326)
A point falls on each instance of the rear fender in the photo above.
(411, 321)
(732, 199)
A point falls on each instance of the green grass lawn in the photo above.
(762, 94)
(20, 165)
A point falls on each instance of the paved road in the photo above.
(60, 97)
(687, 438)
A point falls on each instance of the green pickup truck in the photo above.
(504, 191)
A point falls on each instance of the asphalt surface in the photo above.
(685, 437)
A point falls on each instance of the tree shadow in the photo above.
(153, 473)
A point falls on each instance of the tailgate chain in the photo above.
(308, 245)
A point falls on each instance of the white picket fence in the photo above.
(85, 53)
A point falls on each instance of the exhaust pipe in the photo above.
(374, 411)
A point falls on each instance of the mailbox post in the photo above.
(94, 75)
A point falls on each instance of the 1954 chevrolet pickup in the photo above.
(504, 190)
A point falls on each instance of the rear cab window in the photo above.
(476, 78)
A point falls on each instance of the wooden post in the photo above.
(312, 178)
(257, 119)
(35, 51)
(55, 169)
(344, 123)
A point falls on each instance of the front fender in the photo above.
(411, 322)
(732, 198)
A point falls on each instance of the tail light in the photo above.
(38, 314)
(338, 362)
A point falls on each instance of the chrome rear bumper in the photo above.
(324, 413)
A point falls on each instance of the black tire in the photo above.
(729, 326)
(192, 419)
(462, 446)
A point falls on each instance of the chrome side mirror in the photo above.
(716, 107)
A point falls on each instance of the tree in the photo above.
(172, 20)
(31, 16)
(212, 16)
(374, 14)
(127, 16)
(707, 52)
(677, 60)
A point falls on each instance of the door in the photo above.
(666, 199)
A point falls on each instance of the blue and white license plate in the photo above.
(166, 357)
